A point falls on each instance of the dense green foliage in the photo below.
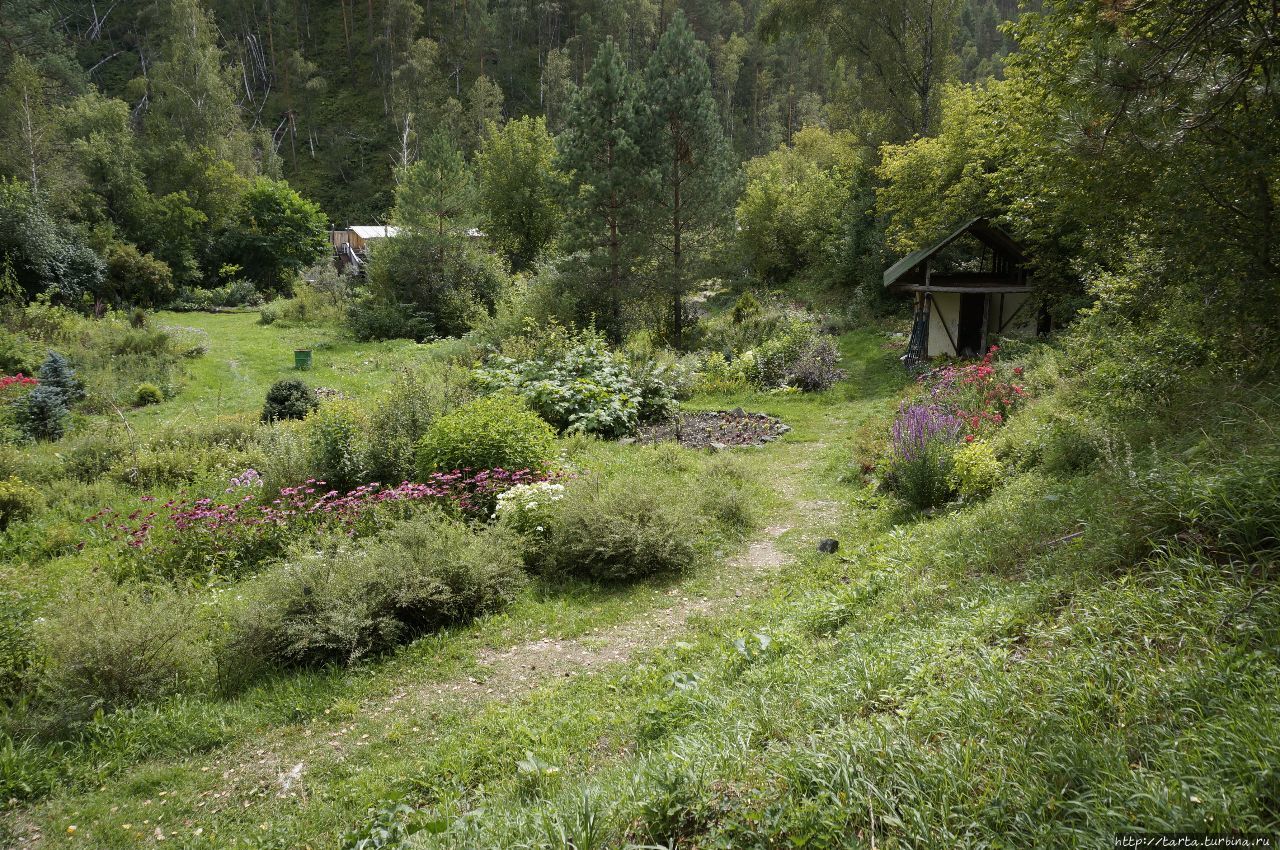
(532, 559)
(290, 399)
(578, 385)
(343, 604)
(493, 432)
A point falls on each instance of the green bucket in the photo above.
(302, 358)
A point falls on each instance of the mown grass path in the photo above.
(390, 727)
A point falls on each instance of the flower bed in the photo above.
(960, 403)
(186, 536)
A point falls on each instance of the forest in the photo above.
(670, 424)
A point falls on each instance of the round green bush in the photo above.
(288, 399)
(617, 532)
(493, 432)
(975, 470)
(146, 394)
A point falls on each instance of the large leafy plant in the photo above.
(578, 385)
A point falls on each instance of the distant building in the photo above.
(969, 288)
(351, 246)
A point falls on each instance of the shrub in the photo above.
(446, 284)
(288, 399)
(117, 645)
(335, 433)
(43, 414)
(342, 605)
(718, 376)
(975, 471)
(56, 372)
(796, 357)
(578, 385)
(18, 501)
(371, 319)
(400, 419)
(14, 390)
(147, 394)
(616, 532)
(493, 432)
(746, 308)
(816, 368)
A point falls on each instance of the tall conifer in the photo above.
(692, 160)
(601, 150)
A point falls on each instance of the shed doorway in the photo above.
(973, 313)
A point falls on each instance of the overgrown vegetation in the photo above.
(391, 556)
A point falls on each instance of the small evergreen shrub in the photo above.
(975, 471)
(118, 645)
(56, 372)
(342, 605)
(19, 501)
(493, 432)
(43, 414)
(618, 531)
(288, 399)
(747, 308)
(147, 394)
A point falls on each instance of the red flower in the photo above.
(968, 438)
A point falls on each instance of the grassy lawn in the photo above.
(245, 357)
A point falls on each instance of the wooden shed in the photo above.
(351, 246)
(969, 288)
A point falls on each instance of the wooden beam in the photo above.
(975, 289)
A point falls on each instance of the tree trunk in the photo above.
(677, 254)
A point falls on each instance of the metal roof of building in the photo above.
(374, 231)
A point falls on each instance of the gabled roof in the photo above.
(373, 231)
(982, 229)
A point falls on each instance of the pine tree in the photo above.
(436, 194)
(693, 161)
(610, 176)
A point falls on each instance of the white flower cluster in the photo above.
(524, 499)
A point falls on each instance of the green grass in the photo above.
(244, 358)
(966, 680)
